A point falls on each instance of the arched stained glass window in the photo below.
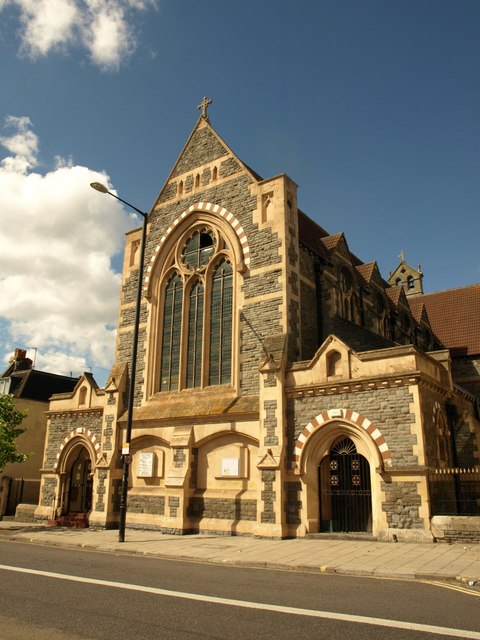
(221, 325)
(195, 336)
(196, 339)
(172, 320)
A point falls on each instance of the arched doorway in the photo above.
(80, 483)
(344, 489)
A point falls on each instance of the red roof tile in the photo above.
(416, 307)
(366, 271)
(394, 292)
(455, 318)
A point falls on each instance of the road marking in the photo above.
(329, 615)
(454, 587)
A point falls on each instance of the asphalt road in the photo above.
(53, 594)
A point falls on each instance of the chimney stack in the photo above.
(20, 361)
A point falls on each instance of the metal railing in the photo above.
(455, 491)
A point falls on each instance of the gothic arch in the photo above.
(347, 417)
(202, 207)
(79, 436)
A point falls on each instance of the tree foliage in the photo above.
(10, 421)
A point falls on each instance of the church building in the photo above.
(283, 388)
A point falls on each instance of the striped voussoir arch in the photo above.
(349, 416)
(211, 208)
(75, 433)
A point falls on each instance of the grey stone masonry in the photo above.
(146, 504)
(293, 504)
(101, 489)
(308, 321)
(268, 496)
(259, 322)
(262, 284)
(203, 148)
(223, 508)
(179, 458)
(48, 493)
(124, 352)
(270, 423)
(388, 409)
(466, 451)
(402, 505)
(270, 380)
(62, 425)
(229, 168)
(173, 505)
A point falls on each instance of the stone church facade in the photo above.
(283, 387)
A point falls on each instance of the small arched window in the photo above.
(410, 282)
(82, 396)
(334, 364)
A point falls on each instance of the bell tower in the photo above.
(407, 277)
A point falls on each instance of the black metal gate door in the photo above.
(344, 489)
(80, 494)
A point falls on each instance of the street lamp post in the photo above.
(133, 364)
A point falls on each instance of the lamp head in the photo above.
(98, 186)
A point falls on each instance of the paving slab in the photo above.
(346, 557)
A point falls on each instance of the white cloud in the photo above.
(108, 36)
(104, 27)
(23, 144)
(58, 289)
(46, 24)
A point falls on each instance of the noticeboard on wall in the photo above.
(146, 465)
(230, 468)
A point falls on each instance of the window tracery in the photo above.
(196, 295)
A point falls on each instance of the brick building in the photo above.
(283, 387)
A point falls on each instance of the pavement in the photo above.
(402, 560)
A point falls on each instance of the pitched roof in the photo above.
(365, 271)
(417, 306)
(39, 385)
(310, 234)
(394, 292)
(455, 318)
(357, 337)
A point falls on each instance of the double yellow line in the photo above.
(454, 587)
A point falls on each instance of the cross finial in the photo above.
(204, 106)
(402, 255)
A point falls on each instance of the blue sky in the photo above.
(371, 107)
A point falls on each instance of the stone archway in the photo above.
(78, 499)
(344, 489)
(315, 444)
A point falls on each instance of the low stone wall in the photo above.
(456, 528)
(26, 513)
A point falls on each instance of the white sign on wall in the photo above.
(145, 465)
(230, 467)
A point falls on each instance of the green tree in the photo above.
(10, 421)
